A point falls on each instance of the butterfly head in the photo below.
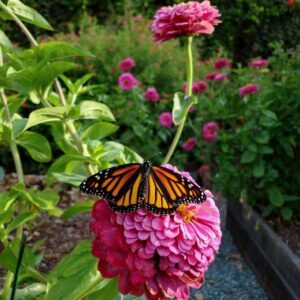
(146, 166)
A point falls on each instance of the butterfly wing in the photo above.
(176, 188)
(118, 185)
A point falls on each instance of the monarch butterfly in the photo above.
(132, 186)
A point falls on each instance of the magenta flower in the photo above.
(165, 119)
(220, 77)
(151, 94)
(184, 19)
(259, 63)
(189, 145)
(210, 131)
(210, 76)
(127, 81)
(126, 64)
(197, 88)
(221, 63)
(250, 88)
(161, 256)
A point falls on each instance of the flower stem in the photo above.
(189, 63)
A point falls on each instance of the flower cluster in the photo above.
(197, 88)
(221, 63)
(127, 81)
(210, 131)
(259, 63)
(216, 77)
(161, 256)
(250, 88)
(126, 64)
(151, 95)
(165, 119)
(189, 145)
(184, 19)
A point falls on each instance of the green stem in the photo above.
(87, 291)
(7, 284)
(189, 63)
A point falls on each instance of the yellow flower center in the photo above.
(187, 215)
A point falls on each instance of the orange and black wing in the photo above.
(167, 189)
(118, 185)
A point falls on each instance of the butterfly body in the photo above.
(132, 186)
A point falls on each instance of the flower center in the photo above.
(187, 214)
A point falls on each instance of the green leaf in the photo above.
(248, 157)
(19, 220)
(81, 81)
(108, 289)
(98, 131)
(265, 150)
(91, 110)
(4, 40)
(181, 106)
(29, 15)
(286, 213)
(78, 208)
(79, 267)
(46, 115)
(44, 200)
(262, 137)
(31, 291)
(269, 114)
(36, 144)
(71, 178)
(288, 149)
(5, 134)
(19, 126)
(275, 196)
(252, 147)
(259, 169)
(48, 74)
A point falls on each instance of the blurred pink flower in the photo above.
(220, 77)
(259, 63)
(221, 63)
(250, 88)
(161, 256)
(198, 87)
(204, 170)
(189, 144)
(127, 81)
(192, 108)
(210, 76)
(151, 94)
(184, 19)
(126, 64)
(165, 119)
(210, 131)
(291, 2)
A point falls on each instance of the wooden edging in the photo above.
(275, 265)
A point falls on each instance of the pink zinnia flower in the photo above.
(210, 131)
(220, 77)
(161, 256)
(197, 88)
(259, 63)
(165, 119)
(221, 63)
(151, 94)
(210, 76)
(248, 89)
(127, 81)
(189, 145)
(184, 19)
(126, 64)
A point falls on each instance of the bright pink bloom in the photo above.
(165, 119)
(127, 81)
(151, 94)
(210, 131)
(198, 87)
(184, 19)
(161, 256)
(259, 63)
(210, 76)
(250, 88)
(221, 63)
(189, 145)
(220, 77)
(126, 64)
